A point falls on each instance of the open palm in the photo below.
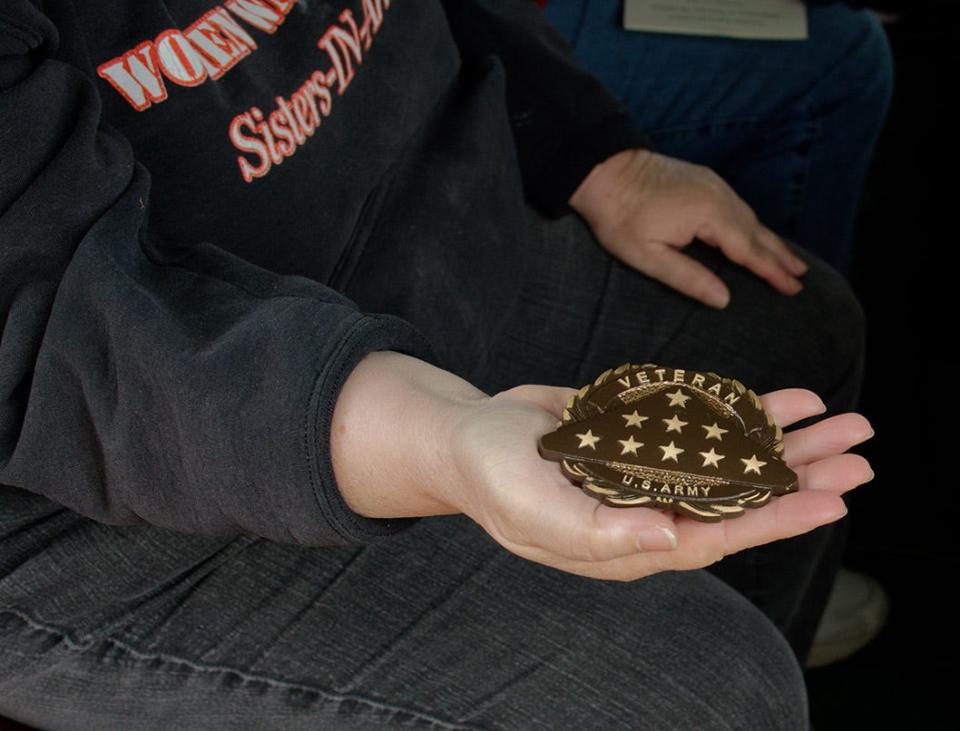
(528, 506)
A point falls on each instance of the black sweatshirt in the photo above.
(211, 211)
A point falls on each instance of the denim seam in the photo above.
(752, 120)
(800, 188)
(222, 669)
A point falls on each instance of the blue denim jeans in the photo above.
(791, 125)
(105, 627)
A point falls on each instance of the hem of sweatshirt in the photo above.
(372, 332)
(581, 152)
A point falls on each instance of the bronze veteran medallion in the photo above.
(696, 443)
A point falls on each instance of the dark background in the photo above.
(903, 524)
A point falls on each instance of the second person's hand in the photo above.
(644, 207)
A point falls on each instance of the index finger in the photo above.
(687, 276)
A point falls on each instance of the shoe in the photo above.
(855, 613)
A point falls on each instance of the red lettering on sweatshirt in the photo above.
(272, 138)
(179, 60)
(221, 41)
(136, 75)
(258, 13)
(343, 47)
(216, 42)
(207, 49)
(267, 139)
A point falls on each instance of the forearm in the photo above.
(150, 380)
(389, 438)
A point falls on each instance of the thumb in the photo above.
(551, 398)
(541, 514)
(576, 527)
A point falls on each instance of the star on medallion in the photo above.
(634, 419)
(678, 398)
(670, 452)
(629, 445)
(675, 424)
(588, 440)
(711, 458)
(715, 432)
(752, 465)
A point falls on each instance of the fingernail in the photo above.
(720, 297)
(656, 539)
(866, 435)
(833, 515)
(799, 266)
(872, 475)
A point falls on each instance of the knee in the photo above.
(748, 676)
(672, 650)
(861, 60)
(873, 60)
(815, 339)
(761, 683)
(714, 661)
(835, 332)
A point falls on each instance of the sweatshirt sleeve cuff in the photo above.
(371, 333)
(550, 187)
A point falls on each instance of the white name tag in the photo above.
(781, 20)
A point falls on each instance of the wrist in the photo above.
(390, 436)
(598, 191)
